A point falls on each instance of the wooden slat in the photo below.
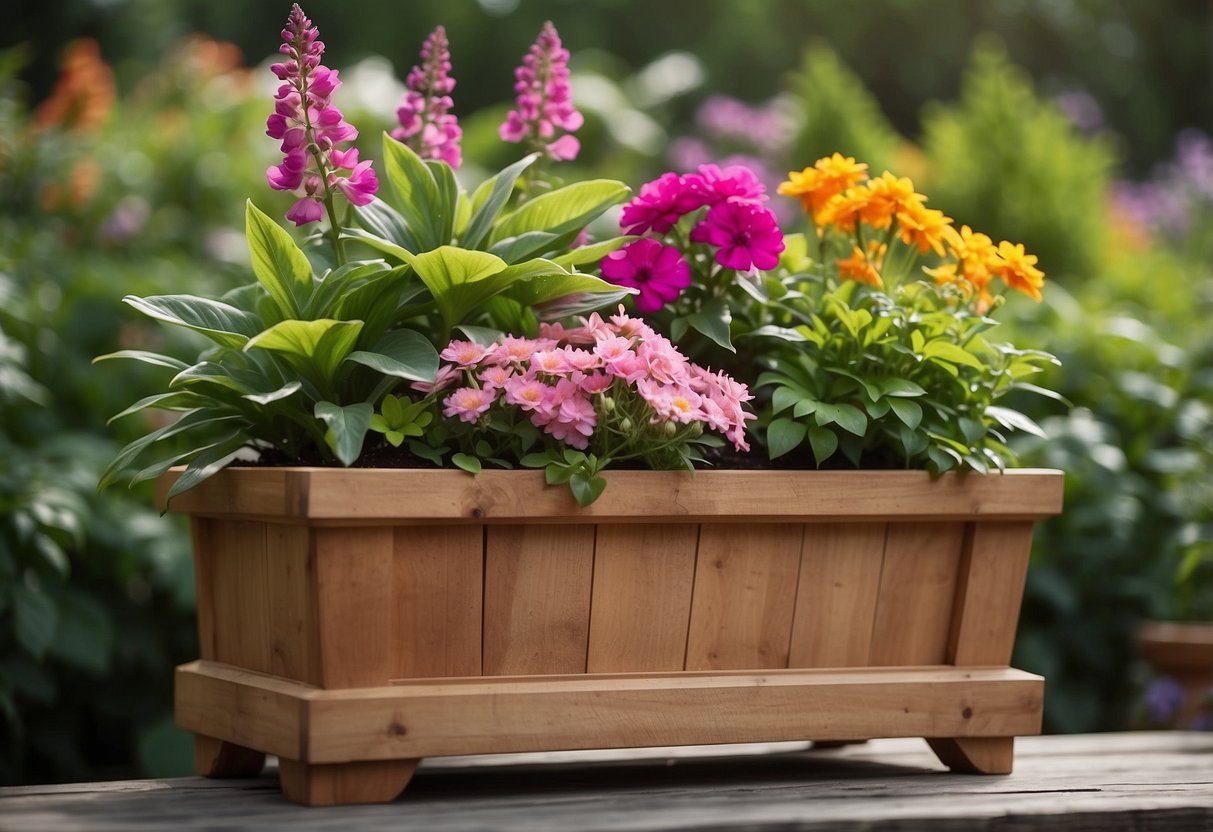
(201, 535)
(744, 597)
(917, 593)
(342, 784)
(993, 568)
(358, 495)
(355, 606)
(434, 719)
(439, 588)
(240, 594)
(836, 600)
(537, 599)
(291, 605)
(643, 576)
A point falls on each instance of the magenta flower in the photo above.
(426, 123)
(660, 204)
(657, 270)
(310, 128)
(544, 100)
(715, 184)
(745, 234)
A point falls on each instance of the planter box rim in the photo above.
(415, 496)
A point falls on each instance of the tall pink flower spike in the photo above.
(426, 123)
(544, 103)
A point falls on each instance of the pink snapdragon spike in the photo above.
(746, 235)
(426, 122)
(544, 100)
(310, 128)
(562, 382)
(658, 271)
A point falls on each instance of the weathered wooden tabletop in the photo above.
(1101, 783)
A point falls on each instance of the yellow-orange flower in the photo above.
(817, 185)
(1018, 269)
(864, 267)
(921, 226)
(84, 93)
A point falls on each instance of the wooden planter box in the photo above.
(353, 621)
(1182, 650)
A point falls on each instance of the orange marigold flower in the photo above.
(921, 226)
(827, 178)
(1018, 269)
(859, 267)
(846, 209)
(83, 95)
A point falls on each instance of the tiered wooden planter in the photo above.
(1182, 650)
(355, 621)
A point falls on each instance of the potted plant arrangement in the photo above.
(405, 541)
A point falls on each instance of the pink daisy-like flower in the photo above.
(613, 348)
(746, 235)
(468, 403)
(596, 383)
(463, 353)
(529, 394)
(447, 375)
(657, 270)
(552, 362)
(496, 376)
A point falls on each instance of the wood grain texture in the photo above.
(344, 784)
(201, 535)
(291, 603)
(438, 599)
(537, 584)
(359, 495)
(745, 596)
(239, 592)
(836, 599)
(917, 594)
(216, 758)
(426, 718)
(975, 755)
(641, 606)
(355, 606)
(1129, 782)
(989, 589)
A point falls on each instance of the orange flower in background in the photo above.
(864, 267)
(83, 95)
(1018, 269)
(827, 178)
(921, 226)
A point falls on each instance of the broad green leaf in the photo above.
(565, 209)
(900, 387)
(416, 189)
(783, 398)
(795, 257)
(579, 303)
(402, 353)
(193, 420)
(205, 465)
(794, 336)
(713, 319)
(972, 429)
(482, 335)
(347, 428)
(313, 347)
(907, 410)
(592, 253)
(557, 473)
(586, 489)
(236, 379)
(386, 223)
(34, 620)
(1014, 420)
(823, 442)
(153, 358)
(230, 442)
(947, 351)
(846, 416)
(784, 435)
(467, 462)
(218, 321)
(378, 243)
(447, 204)
(912, 441)
(538, 282)
(489, 199)
(338, 283)
(531, 244)
(288, 389)
(280, 266)
(458, 279)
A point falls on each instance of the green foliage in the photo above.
(1014, 166)
(840, 113)
(898, 379)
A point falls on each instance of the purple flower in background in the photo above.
(745, 234)
(768, 128)
(660, 204)
(426, 123)
(1194, 155)
(310, 128)
(1163, 698)
(657, 270)
(544, 102)
(1082, 110)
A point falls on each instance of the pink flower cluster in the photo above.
(564, 379)
(426, 123)
(544, 99)
(310, 129)
(744, 232)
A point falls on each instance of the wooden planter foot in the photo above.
(975, 755)
(339, 784)
(216, 758)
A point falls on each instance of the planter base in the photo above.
(359, 745)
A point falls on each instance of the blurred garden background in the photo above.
(131, 131)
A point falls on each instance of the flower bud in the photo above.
(626, 425)
(608, 404)
(670, 428)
